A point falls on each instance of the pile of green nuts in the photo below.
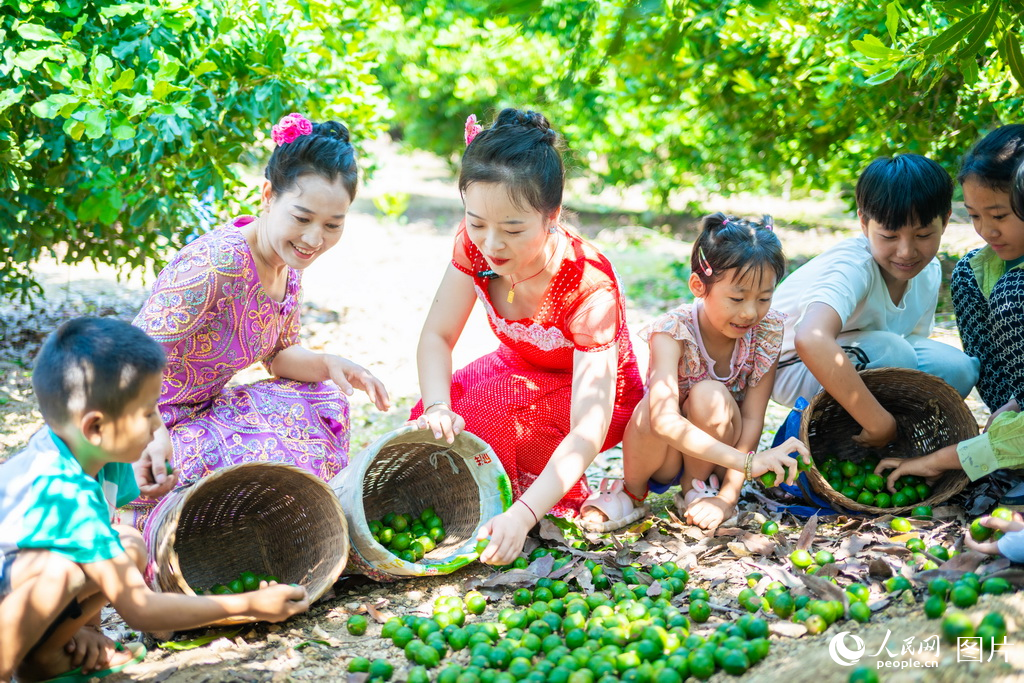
(408, 536)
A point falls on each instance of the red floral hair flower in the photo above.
(291, 127)
(472, 129)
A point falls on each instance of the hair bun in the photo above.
(526, 119)
(331, 129)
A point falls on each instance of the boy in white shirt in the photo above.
(869, 302)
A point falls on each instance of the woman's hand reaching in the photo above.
(442, 421)
(348, 376)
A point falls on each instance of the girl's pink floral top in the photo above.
(752, 358)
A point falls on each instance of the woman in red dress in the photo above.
(564, 381)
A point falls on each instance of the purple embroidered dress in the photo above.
(213, 318)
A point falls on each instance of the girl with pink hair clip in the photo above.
(231, 298)
(712, 370)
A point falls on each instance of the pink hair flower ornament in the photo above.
(291, 127)
(472, 128)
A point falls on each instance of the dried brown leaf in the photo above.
(738, 549)
(674, 518)
(880, 604)
(779, 574)
(375, 614)
(967, 561)
(1014, 576)
(922, 578)
(996, 565)
(758, 544)
(851, 526)
(585, 582)
(825, 590)
(542, 566)
(897, 550)
(851, 545)
(807, 535)
(643, 579)
(722, 532)
(565, 569)
(550, 532)
(855, 569)
(513, 577)
(879, 568)
(787, 629)
(655, 589)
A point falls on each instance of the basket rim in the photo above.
(955, 480)
(185, 492)
(360, 463)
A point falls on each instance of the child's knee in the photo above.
(961, 372)
(711, 407)
(881, 349)
(133, 544)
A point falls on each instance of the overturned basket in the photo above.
(408, 469)
(264, 517)
(929, 415)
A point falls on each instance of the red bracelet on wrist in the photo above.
(535, 520)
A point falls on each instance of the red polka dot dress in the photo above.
(518, 399)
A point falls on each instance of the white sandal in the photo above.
(616, 505)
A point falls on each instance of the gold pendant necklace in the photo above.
(512, 292)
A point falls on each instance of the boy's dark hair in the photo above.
(727, 242)
(93, 364)
(994, 158)
(521, 152)
(904, 189)
(1017, 192)
(326, 152)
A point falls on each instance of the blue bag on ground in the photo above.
(802, 488)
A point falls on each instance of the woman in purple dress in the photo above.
(230, 299)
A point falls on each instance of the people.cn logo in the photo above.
(843, 655)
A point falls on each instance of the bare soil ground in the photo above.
(367, 299)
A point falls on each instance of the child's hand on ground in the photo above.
(348, 376)
(709, 513)
(878, 435)
(1010, 405)
(278, 602)
(778, 460)
(507, 532)
(926, 466)
(991, 547)
(91, 650)
(442, 421)
(151, 470)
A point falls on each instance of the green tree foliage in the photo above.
(116, 116)
(729, 95)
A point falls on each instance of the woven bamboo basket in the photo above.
(264, 517)
(929, 415)
(407, 470)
